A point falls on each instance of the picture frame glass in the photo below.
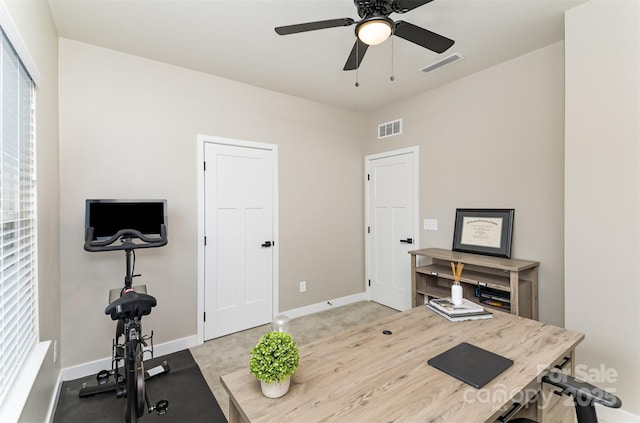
(484, 231)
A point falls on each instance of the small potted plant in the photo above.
(273, 360)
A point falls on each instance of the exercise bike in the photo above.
(127, 306)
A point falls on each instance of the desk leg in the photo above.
(414, 294)
(234, 415)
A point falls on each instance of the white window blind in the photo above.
(18, 293)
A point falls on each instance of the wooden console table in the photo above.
(363, 375)
(509, 284)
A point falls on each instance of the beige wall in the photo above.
(129, 130)
(493, 140)
(602, 199)
(35, 25)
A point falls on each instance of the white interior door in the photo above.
(239, 231)
(391, 226)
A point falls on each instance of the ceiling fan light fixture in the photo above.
(374, 30)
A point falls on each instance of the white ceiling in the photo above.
(235, 39)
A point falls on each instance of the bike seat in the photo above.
(130, 305)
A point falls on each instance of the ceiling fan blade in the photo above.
(312, 26)
(422, 37)
(357, 53)
(403, 6)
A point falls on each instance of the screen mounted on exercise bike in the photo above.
(139, 223)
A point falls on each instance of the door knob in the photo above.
(267, 244)
(407, 241)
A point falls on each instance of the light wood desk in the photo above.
(362, 375)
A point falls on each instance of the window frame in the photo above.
(17, 391)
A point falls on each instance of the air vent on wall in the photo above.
(390, 129)
(455, 57)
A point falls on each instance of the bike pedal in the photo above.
(102, 377)
(161, 407)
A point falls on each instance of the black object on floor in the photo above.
(189, 396)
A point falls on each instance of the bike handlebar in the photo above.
(127, 234)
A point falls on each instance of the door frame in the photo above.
(415, 150)
(200, 297)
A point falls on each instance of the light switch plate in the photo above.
(431, 224)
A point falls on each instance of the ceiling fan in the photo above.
(375, 27)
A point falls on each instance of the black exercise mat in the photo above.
(189, 396)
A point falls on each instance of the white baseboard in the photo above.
(326, 305)
(615, 415)
(93, 367)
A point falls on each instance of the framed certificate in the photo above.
(484, 231)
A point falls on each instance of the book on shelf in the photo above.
(497, 304)
(445, 305)
(469, 316)
(494, 297)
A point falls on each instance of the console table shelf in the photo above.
(511, 284)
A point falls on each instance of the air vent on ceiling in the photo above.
(455, 57)
(390, 129)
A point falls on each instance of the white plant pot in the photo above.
(275, 389)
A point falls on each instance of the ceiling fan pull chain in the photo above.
(392, 78)
(357, 65)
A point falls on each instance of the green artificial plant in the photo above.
(274, 358)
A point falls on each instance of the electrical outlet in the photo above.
(303, 286)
